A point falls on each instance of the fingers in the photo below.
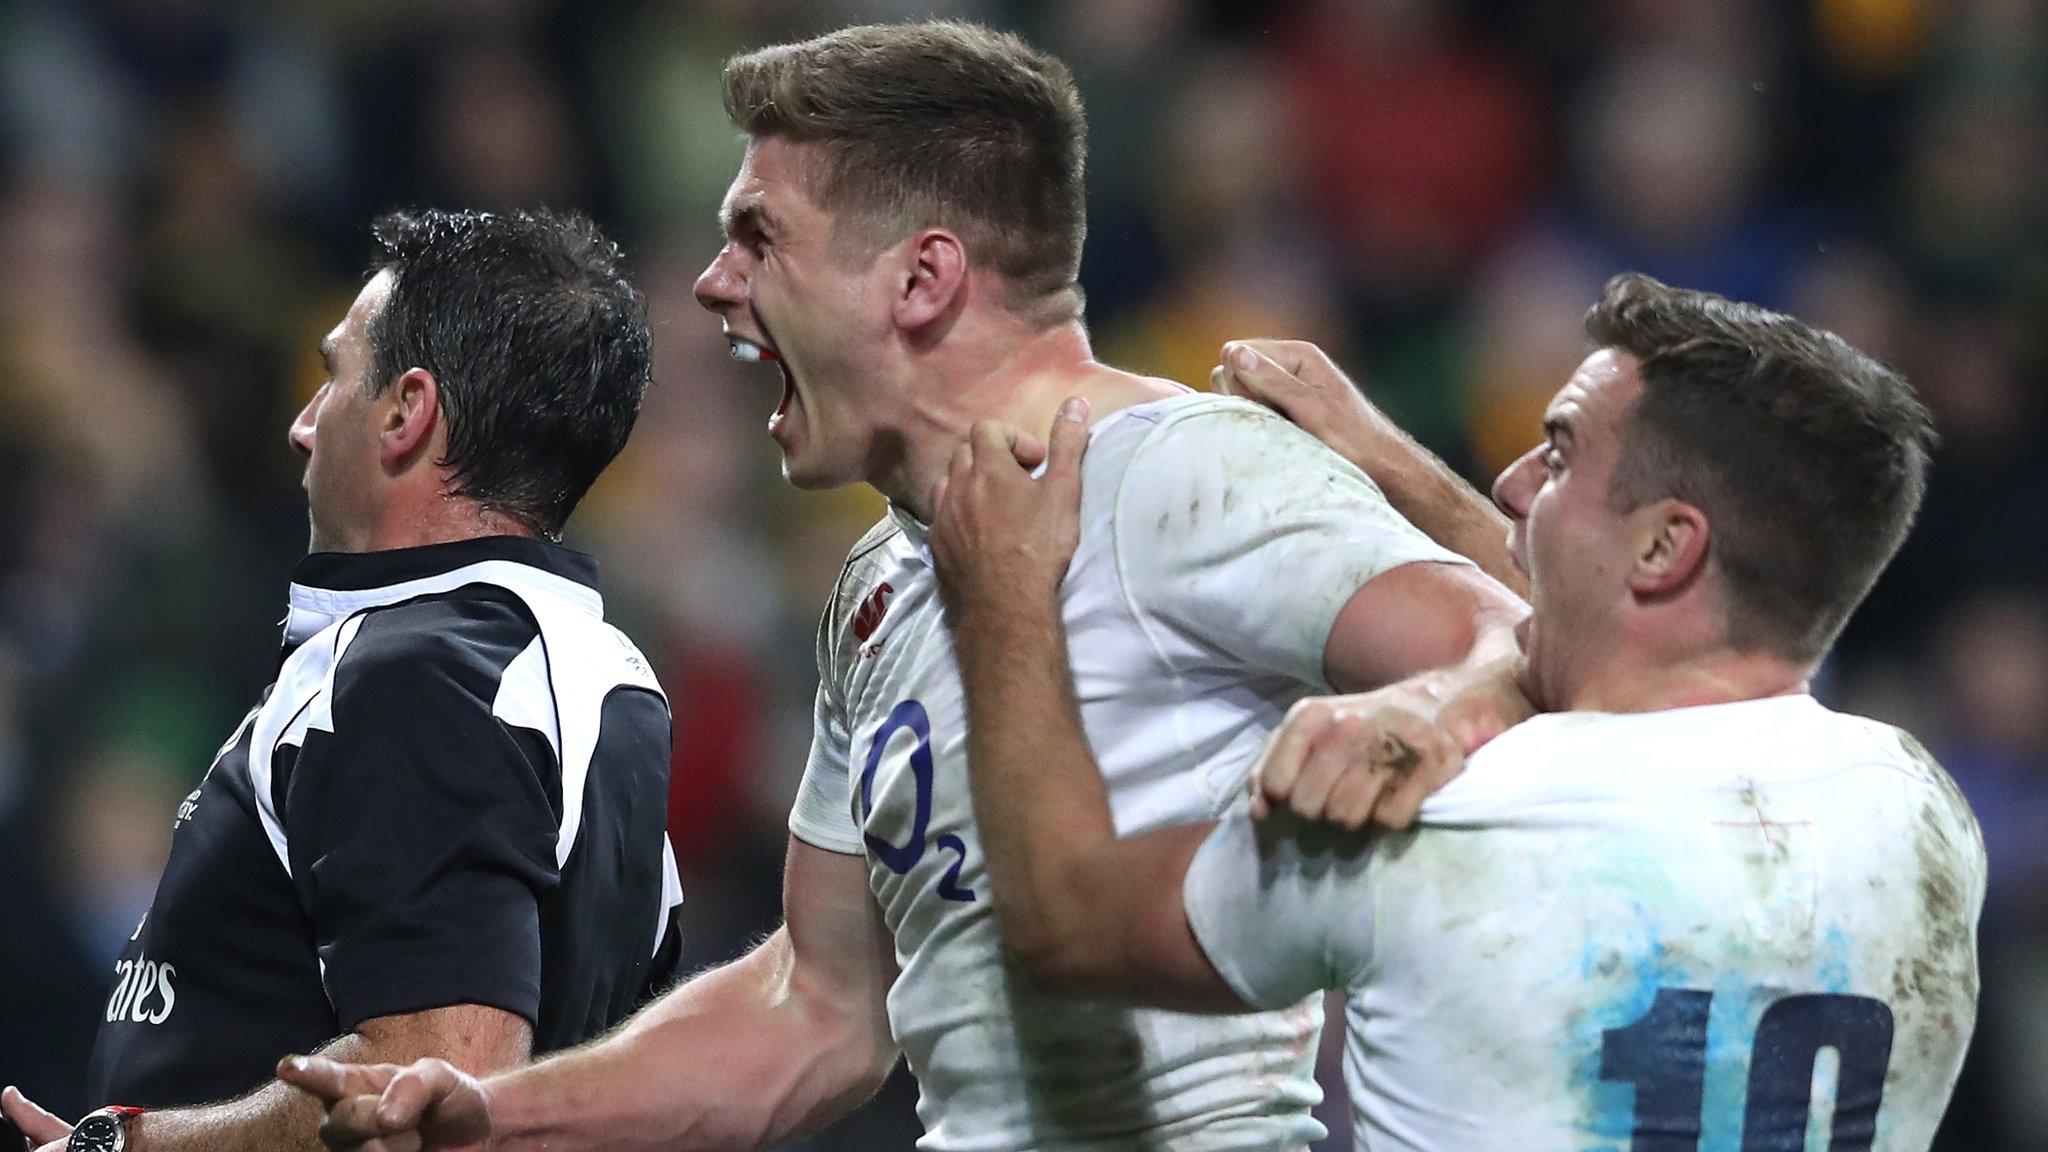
(991, 440)
(1247, 374)
(1280, 764)
(331, 1080)
(1356, 796)
(1027, 450)
(1301, 360)
(370, 1107)
(1285, 375)
(1432, 760)
(352, 1124)
(1320, 770)
(414, 1090)
(1069, 440)
(41, 1127)
(995, 439)
(1355, 761)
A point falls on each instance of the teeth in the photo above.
(747, 350)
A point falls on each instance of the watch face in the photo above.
(96, 1133)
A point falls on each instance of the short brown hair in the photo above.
(941, 124)
(1808, 457)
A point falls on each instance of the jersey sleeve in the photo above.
(823, 813)
(1280, 907)
(420, 832)
(1247, 537)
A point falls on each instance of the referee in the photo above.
(441, 831)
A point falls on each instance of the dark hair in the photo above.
(536, 338)
(941, 124)
(1808, 457)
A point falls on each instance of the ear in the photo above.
(1672, 549)
(934, 277)
(412, 411)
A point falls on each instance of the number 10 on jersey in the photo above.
(1664, 1054)
(901, 858)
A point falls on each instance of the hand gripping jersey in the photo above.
(1743, 926)
(1218, 544)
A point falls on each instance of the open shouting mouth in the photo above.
(756, 352)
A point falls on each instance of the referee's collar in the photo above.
(328, 586)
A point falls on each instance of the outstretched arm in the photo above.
(473, 1037)
(1298, 380)
(778, 1043)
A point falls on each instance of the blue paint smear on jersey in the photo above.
(1636, 967)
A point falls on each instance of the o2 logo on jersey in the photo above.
(901, 858)
(1664, 1054)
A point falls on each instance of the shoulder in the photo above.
(1201, 426)
(874, 551)
(1247, 457)
(1571, 764)
(876, 538)
(1208, 482)
(1927, 780)
(1528, 763)
(876, 548)
(463, 639)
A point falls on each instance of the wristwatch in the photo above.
(103, 1131)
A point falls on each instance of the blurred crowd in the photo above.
(1433, 189)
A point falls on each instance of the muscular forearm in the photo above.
(1450, 511)
(275, 1118)
(1031, 770)
(741, 1057)
(1079, 908)
(271, 1118)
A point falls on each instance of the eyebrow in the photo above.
(753, 215)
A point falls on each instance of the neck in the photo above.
(1016, 377)
(1719, 677)
(439, 519)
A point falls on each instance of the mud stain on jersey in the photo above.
(1938, 983)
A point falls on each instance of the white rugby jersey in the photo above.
(1705, 928)
(1218, 544)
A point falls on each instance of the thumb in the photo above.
(1068, 441)
(39, 1126)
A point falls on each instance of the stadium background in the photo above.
(1435, 190)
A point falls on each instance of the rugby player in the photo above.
(1689, 907)
(903, 241)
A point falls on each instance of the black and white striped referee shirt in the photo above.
(456, 792)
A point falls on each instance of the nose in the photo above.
(1516, 486)
(723, 285)
(301, 434)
